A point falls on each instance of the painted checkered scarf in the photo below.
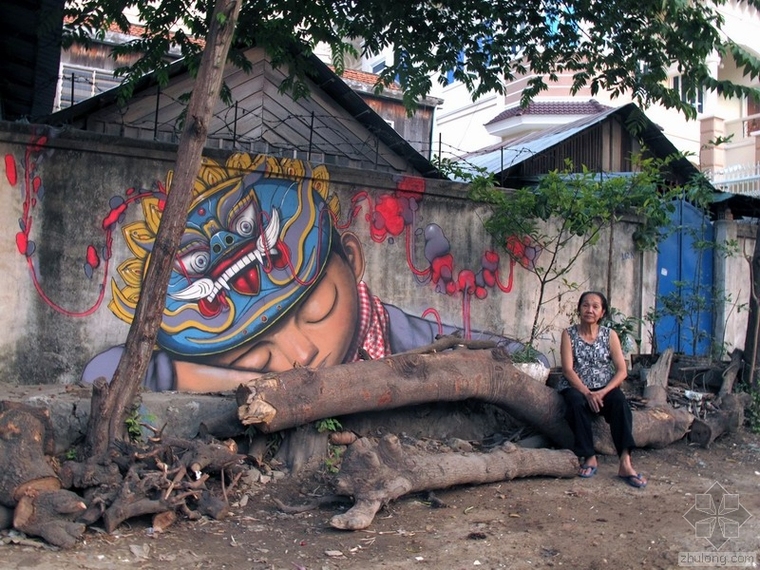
(373, 326)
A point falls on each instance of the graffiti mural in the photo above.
(268, 276)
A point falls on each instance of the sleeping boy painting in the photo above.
(262, 282)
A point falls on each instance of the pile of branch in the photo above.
(714, 413)
(166, 478)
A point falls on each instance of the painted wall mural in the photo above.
(268, 275)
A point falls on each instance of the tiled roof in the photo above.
(590, 107)
(363, 77)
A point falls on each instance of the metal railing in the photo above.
(738, 179)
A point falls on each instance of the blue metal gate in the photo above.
(684, 288)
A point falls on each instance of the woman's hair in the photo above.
(605, 305)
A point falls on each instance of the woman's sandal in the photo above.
(587, 471)
(634, 480)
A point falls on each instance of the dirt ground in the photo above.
(524, 523)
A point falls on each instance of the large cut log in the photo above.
(302, 395)
(655, 427)
(375, 472)
(24, 465)
(50, 515)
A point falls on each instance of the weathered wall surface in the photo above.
(68, 267)
(732, 279)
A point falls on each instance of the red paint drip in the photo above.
(10, 169)
(114, 215)
(21, 242)
(92, 257)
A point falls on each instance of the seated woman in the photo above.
(593, 368)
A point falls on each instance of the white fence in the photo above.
(738, 179)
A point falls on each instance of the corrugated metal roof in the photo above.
(504, 155)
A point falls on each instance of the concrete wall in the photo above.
(64, 256)
(732, 279)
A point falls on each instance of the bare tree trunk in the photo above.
(302, 395)
(753, 321)
(115, 400)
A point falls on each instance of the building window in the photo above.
(378, 66)
(753, 110)
(80, 83)
(695, 100)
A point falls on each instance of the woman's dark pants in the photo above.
(615, 411)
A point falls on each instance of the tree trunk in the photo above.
(114, 401)
(377, 472)
(302, 395)
(655, 427)
(752, 340)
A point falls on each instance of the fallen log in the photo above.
(655, 427)
(302, 395)
(375, 472)
(299, 396)
(730, 373)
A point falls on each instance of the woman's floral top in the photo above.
(592, 362)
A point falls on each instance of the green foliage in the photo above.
(134, 429)
(526, 354)
(690, 299)
(334, 457)
(753, 413)
(328, 424)
(566, 214)
(626, 328)
(486, 45)
(456, 169)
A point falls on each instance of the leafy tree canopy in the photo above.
(617, 45)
